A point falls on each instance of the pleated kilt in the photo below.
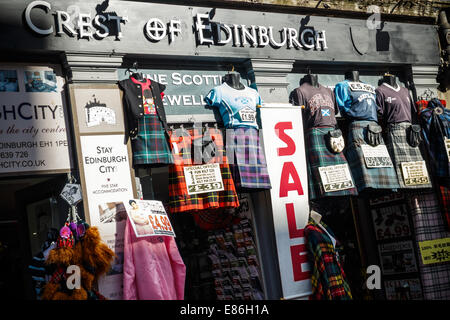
(401, 151)
(363, 177)
(150, 145)
(319, 155)
(179, 199)
(247, 159)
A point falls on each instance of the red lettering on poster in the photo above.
(292, 223)
(290, 144)
(289, 171)
(297, 259)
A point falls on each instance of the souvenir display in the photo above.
(237, 105)
(327, 276)
(366, 153)
(199, 197)
(324, 141)
(146, 120)
(397, 111)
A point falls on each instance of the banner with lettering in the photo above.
(33, 135)
(286, 164)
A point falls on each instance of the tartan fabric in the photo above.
(401, 151)
(363, 177)
(249, 168)
(434, 128)
(319, 155)
(445, 200)
(429, 225)
(150, 145)
(327, 276)
(179, 199)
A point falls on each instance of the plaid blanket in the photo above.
(363, 177)
(401, 151)
(429, 225)
(327, 276)
(150, 145)
(248, 165)
(319, 155)
(211, 148)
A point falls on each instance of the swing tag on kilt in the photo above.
(376, 157)
(203, 178)
(71, 193)
(447, 147)
(336, 178)
(415, 173)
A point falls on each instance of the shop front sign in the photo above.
(286, 164)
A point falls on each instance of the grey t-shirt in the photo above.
(320, 105)
(394, 104)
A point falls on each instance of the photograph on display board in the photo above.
(405, 289)
(8, 81)
(397, 257)
(40, 81)
(112, 212)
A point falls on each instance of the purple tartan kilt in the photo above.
(319, 155)
(376, 178)
(247, 160)
(401, 151)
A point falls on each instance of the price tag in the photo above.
(203, 178)
(447, 147)
(415, 173)
(376, 157)
(435, 251)
(335, 178)
(247, 115)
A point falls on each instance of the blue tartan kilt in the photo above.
(319, 155)
(401, 151)
(151, 145)
(376, 178)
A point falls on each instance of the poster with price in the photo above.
(33, 135)
(405, 289)
(397, 257)
(149, 218)
(376, 157)
(203, 178)
(415, 173)
(391, 222)
(335, 178)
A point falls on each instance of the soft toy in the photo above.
(80, 245)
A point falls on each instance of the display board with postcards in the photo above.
(395, 245)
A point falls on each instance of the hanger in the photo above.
(136, 74)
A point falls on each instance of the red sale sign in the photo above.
(286, 163)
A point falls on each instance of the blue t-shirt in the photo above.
(237, 107)
(356, 100)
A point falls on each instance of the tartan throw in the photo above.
(327, 276)
(319, 155)
(363, 177)
(401, 151)
(445, 199)
(150, 145)
(212, 142)
(429, 225)
(249, 168)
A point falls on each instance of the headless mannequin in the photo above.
(352, 75)
(390, 80)
(233, 80)
(312, 79)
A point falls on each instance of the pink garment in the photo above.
(153, 268)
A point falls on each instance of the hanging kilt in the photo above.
(319, 155)
(248, 164)
(150, 145)
(184, 155)
(401, 151)
(363, 177)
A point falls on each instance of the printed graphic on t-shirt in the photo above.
(149, 103)
(358, 86)
(320, 102)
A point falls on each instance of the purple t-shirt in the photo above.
(394, 104)
(320, 107)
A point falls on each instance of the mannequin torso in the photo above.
(352, 75)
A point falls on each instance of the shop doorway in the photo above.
(31, 206)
